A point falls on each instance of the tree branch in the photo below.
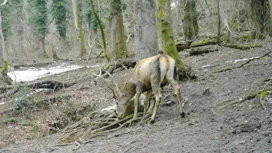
(4, 3)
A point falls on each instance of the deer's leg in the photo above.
(136, 102)
(146, 102)
(151, 106)
(156, 89)
(177, 93)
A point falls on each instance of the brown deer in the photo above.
(148, 76)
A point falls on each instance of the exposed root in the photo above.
(94, 124)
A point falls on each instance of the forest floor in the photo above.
(212, 123)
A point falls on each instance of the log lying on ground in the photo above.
(203, 43)
(242, 47)
(183, 45)
(48, 84)
(200, 51)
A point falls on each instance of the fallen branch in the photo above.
(200, 51)
(248, 61)
(48, 84)
(9, 93)
(242, 47)
(203, 43)
(248, 97)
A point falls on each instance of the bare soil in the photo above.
(240, 127)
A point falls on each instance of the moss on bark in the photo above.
(165, 25)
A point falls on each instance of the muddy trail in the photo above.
(214, 122)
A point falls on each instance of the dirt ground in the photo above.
(241, 127)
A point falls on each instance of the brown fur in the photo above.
(148, 75)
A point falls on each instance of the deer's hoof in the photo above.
(182, 115)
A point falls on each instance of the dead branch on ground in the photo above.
(247, 62)
(200, 51)
(94, 124)
(261, 93)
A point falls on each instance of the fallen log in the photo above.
(200, 51)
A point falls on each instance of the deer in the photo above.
(149, 75)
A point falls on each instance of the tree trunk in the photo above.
(261, 18)
(165, 21)
(219, 22)
(2, 52)
(74, 5)
(102, 31)
(145, 29)
(118, 39)
(2, 48)
(79, 29)
(190, 20)
(42, 48)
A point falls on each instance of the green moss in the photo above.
(203, 43)
(107, 66)
(166, 30)
(263, 93)
(4, 70)
(235, 24)
(246, 38)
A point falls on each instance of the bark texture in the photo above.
(118, 39)
(145, 29)
(190, 20)
(261, 18)
(165, 21)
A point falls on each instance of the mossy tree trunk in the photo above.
(118, 39)
(80, 29)
(4, 73)
(190, 26)
(102, 31)
(145, 29)
(165, 23)
(261, 17)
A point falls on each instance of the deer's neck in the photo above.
(129, 90)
